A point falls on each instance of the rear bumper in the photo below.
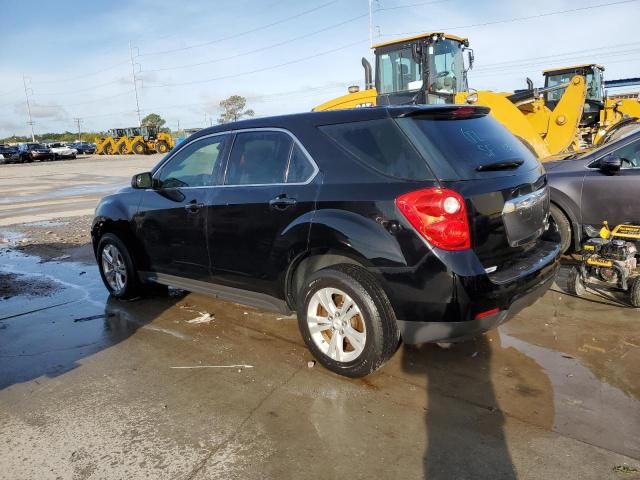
(413, 332)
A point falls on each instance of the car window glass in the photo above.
(258, 158)
(630, 155)
(300, 168)
(379, 144)
(193, 166)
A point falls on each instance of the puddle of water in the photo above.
(586, 408)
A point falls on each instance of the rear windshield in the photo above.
(380, 145)
(468, 148)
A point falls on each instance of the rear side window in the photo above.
(467, 148)
(259, 158)
(382, 146)
(300, 169)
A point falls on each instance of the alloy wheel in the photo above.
(114, 267)
(336, 325)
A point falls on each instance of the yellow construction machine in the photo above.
(112, 142)
(431, 69)
(149, 139)
(602, 118)
(138, 140)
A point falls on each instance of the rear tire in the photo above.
(117, 268)
(346, 320)
(575, 284)
(107, 150)
(634, 293)
(564, 228)
(122, 149)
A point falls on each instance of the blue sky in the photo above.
(76, 53)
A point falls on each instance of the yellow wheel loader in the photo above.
(109, 144)
(148, 139)
(602, 117)
(430, 69)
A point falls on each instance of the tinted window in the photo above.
(381, 145)
(455, 148)
(630, 155)
(300, 168)
(193, 166)
(258, 158)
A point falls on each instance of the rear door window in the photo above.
(467, 148)
(259, 158)
(382, 146)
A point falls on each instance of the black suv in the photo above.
(373, 224)
(83, 148)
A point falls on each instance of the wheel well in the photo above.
(124, 234)
(306, 265)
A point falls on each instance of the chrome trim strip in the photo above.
(316, 169)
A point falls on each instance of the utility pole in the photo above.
(135, 83)
(78, 120)
(26, 95)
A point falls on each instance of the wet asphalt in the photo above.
(93, 387)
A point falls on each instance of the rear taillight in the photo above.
(439, 215)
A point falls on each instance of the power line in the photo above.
(398, 7)
(517, 19)
(240, 34)
(75, 77)
(261, 49)
(250, 72)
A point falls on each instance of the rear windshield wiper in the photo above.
(503, 165)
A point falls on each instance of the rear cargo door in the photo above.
(502, 182)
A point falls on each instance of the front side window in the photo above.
(194, 165)
(259, 158)
(399, 72)
(629, 154)
(446, 67)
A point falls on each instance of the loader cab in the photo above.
(133, 131)
(427, 69)
(148, 133)
(594, 101)
(117, 132)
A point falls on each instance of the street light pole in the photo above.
(135, 84)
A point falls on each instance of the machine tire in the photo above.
(634, 293)
(162, 147)
(622, 131)
(375, 319)
(132, 286)
(138, 148)
(575, 285)
(122, 149)
(107, 150)
(564, 228)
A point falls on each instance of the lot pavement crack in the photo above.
(202, 463)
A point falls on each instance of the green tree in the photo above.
(154, 120)
(234, 109)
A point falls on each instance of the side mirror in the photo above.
(142, 180)
(610, 164)
(470, 59)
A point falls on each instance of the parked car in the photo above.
(425, 223)
(30, 152)
(9, 154)
(603, 184)
(60, 150)
(83, 148)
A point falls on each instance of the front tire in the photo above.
(138, 148)
(117, 268)
(634, 293)
(346, 320)
(564, 228)
(162, 147)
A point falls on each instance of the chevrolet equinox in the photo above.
(374, 225)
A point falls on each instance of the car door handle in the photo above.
(281, 202)
(193, 207)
